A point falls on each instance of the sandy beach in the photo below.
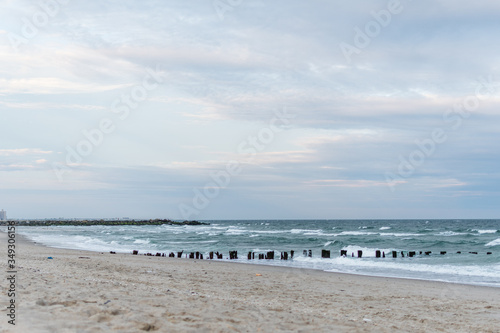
(79, 291)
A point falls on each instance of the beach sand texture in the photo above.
(80, 291)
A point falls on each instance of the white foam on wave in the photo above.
(495, 242)
(384, 228)
(301, 231)
(398, 234)
(356, 265)
(451, 233)
(235, 231)
(367, 251)
(142, 241)
(78, 242)
(492, 231)
(357, 233)
(269, 231)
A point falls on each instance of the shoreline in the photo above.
(27, 240)
(88, 291)
(279, 266)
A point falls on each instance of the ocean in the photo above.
(260, 236)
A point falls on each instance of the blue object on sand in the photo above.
(49, 258)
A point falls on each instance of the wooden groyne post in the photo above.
(270, 255)
(233, 255)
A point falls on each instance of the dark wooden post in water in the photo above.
(135, 252)
(305, 253)
(249, 256)
(179, 254)
(191, 255)
(310, 253)
(443, 252)
(211, 254)
(270, 255)
(325, 254)
(428, 253)
(171, 255)
(343, 253)
(411, 254)
(394, 254)
(197, 255)
(284, 255)
(360, 253)
(261, 256)
(383, 254)
(377, 254)
(291, 254)
(402, 254)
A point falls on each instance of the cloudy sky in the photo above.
(239, 109)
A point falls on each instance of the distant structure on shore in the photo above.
(3, 215)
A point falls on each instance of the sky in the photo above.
(238, 109)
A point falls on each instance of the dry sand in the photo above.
(80, 291)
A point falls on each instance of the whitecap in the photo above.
(141, 241)
(492, 231)
(357, 233)
(496, 242)
(451, 233)
(400, 234)
(298, 231)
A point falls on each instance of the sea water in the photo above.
(261, 236)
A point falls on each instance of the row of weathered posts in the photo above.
(284, 255)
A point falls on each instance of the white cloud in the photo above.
(24, 151)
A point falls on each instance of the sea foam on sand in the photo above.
(80, 291)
